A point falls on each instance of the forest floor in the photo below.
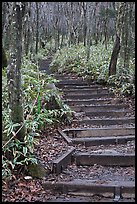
(51, 146)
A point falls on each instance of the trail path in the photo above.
(99, 164)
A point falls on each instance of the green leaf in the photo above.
(25, 150)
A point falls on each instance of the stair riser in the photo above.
(98, 108)
(107, 122)
(95, 132)
(92, 187)
(78, 86)
(104, 160)
(90, 96)
(84, 92)
(103, 141)
(107, 114)
(88, 102)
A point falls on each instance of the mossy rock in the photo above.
(37, 170)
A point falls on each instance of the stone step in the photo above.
(90, 96)
(104, 159)
(95, 132)
(92, 186)
(107, 121)
(88, 108)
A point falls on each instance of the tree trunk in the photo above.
(37, 27)
(13, 71)
(126, 39)
(57, 39)
(4, 58)
(62, 40)
(116, 49)
(113, 61)
(84, 25)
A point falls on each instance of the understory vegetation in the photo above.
(73, 59)
(37, 113)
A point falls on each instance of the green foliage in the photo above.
(69, 59)
(34, 83)
(17, 154)
(122, 81)
(73, 60)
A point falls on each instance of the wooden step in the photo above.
(104, 159)
(107, 113)
(92, 186)
(90, 96)
(88, 141)
(80, 87)
(87, 108)
(87, 101)
(107, 121)
(85, 91)
(95, 132)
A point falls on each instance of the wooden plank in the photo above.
(62, 162)
(105, 159)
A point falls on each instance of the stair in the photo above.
(102, 160)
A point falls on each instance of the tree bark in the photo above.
(4, 58)
(114, 57)
(14, 71)
(37, 27)
(117, 46)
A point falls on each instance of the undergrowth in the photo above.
(16, 154)
(73, 59)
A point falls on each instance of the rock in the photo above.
(51, 86)
(37, 170)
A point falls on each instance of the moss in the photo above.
(37, 170)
